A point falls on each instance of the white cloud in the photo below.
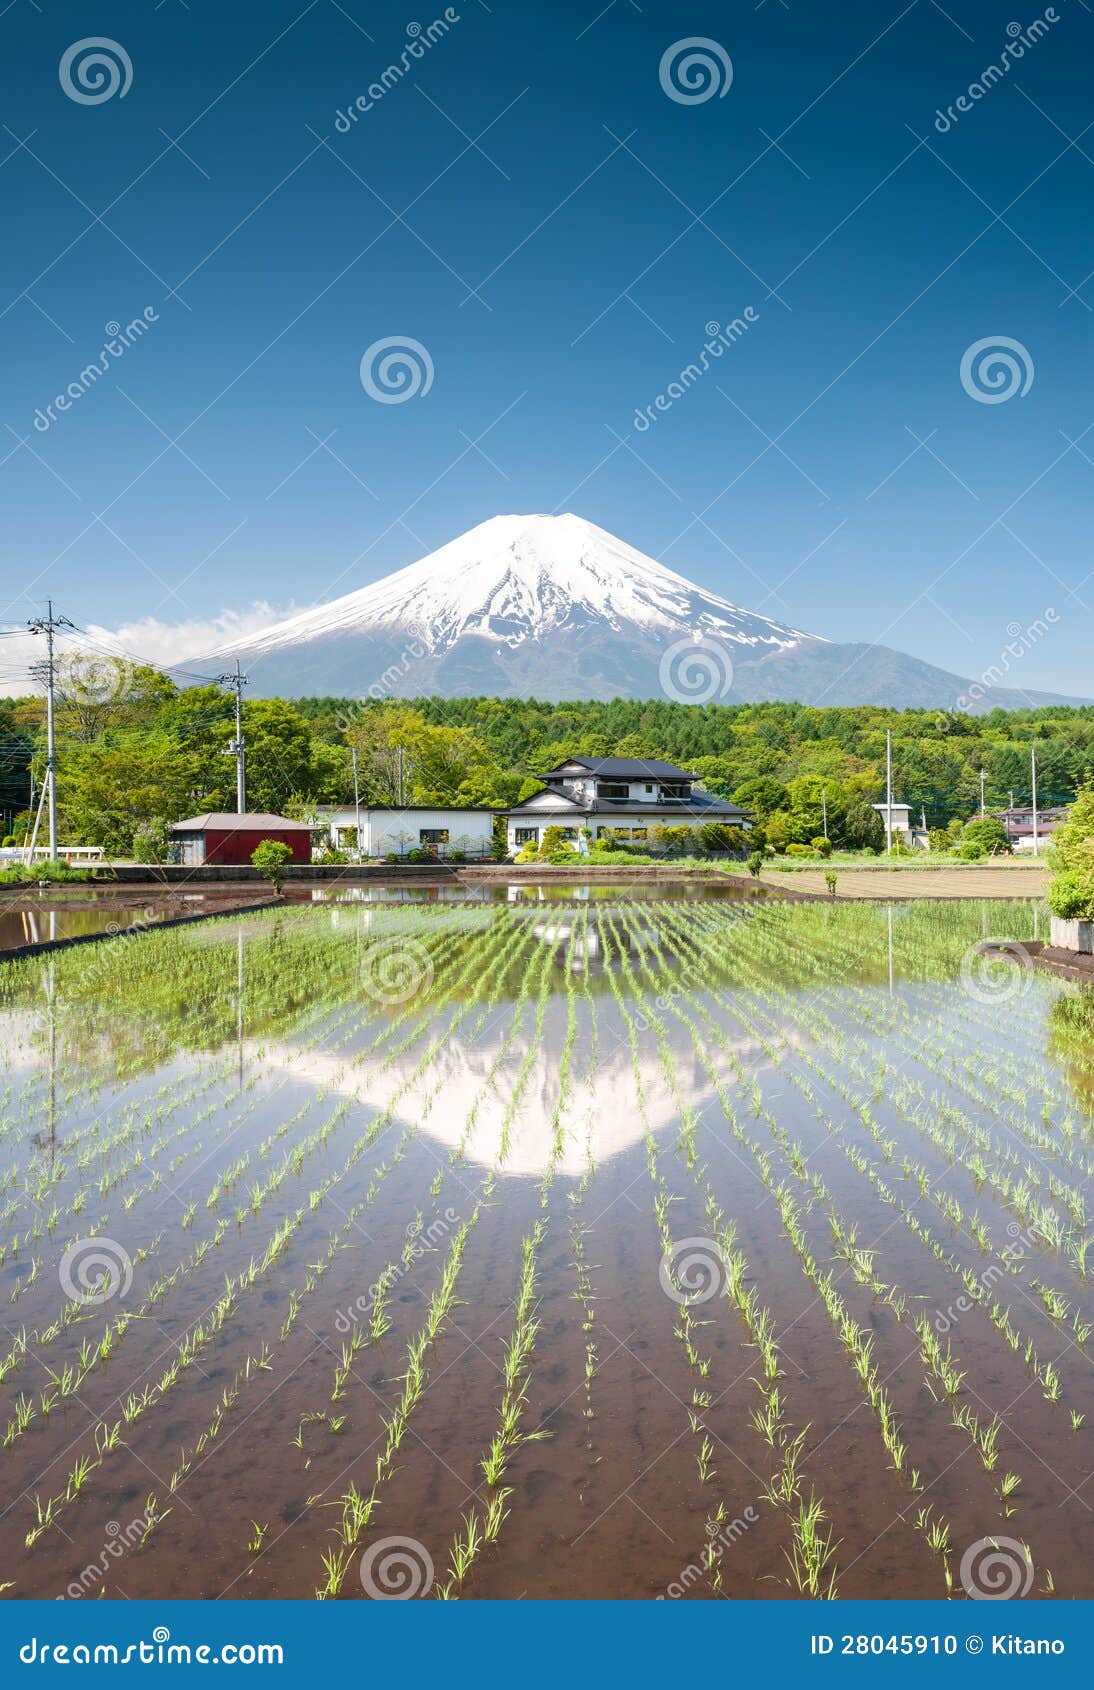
(165, 645)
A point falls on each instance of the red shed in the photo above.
(224, 837)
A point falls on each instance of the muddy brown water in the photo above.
(583, 1078)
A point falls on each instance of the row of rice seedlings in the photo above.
(357, 1509)
(293, 1162)
(856, 1342)
(481, 1530)
(335, 1422)
(812, 1555)
(1054, 1303)
(941, 1366)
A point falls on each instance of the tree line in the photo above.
(136, 752)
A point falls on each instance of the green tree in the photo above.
(863, 828)
(271, 857)
(989, 833)
(763, 795)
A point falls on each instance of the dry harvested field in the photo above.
(956, 880)
(554, 1245)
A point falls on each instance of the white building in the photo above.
(408, 827)
(620, 796)
(896, 819)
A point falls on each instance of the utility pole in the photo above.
(356, 797)
(399, 779)
(983, 778)
(1033, 782)
(237, 747)
(888, 791)
(824, 810)
(46, 625)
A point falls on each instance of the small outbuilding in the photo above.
(221, 836)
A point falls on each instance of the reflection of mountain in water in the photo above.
(473, 1081)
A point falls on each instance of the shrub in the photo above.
(830, 878)
(799, 850)
(755, 863)
(971, 851)
(989, 832)
(151, 841)
(821, 846)
(1071, 896)
(270, 858)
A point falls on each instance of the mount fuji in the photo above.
(554, 607)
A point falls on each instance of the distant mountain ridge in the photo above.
(555, 607)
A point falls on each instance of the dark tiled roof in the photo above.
(624, 768)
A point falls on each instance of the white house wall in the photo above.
(401, 830)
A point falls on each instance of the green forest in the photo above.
(136, 752)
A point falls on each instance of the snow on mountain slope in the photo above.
(521, 578)
(554, 607)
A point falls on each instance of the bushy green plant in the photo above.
(794, 850)
(1071, 896)
(755, 863)
(989, 832)
(271, 857)
(821, 846)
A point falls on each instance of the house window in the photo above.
(639, 832)
(675, 793)
(433, 836)
(526, 835)
(649, 786)
(615, 789)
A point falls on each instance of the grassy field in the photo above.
(612, 1247)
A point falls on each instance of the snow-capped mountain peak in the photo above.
(554, 607)
(518, 579)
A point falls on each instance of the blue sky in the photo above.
(530, 205)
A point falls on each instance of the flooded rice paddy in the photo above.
(567, 1247)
